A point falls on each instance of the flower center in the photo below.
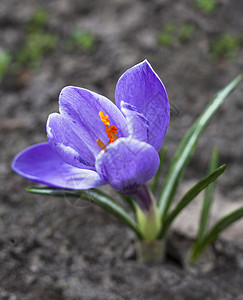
(110, 130)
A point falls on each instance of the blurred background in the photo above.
(48, 247)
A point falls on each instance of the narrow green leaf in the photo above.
(208, 197)
(215, 231)
(48, 191)
(187, 147)
(189, 196)
(95, 196)
(162, 156)
(129, 200)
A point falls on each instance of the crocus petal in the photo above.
(127, 163)
(83, 107)
(41, 164)
(141, 87)
(65, 137)
(137, 124)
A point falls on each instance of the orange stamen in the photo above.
(101, 144)
(113, 128)
(104, 118)
(111, 131)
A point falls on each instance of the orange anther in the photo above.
(101, 144)
(104, 118)
(110, 139)
(113, 128)
(110, 130)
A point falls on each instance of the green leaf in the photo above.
(189, 196)
(187, 147)
(208, 197)
(162, 155)
(95, 196)
(215, 231)
(129, 200)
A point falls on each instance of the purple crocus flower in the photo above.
(92, 141)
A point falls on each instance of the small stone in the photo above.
(130, 253)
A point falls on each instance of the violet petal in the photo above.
(65, 137)
(83, 107)
(141, 87)
(127, 163)
(41, 164)
(137, 124)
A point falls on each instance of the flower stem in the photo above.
(143, 198)
(151, 252)
(148, 219)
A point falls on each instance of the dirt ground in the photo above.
(50, 249)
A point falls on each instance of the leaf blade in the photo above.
(213, 233)
(95, 196)
(130, 202)
(162, 156)
(208, 197)
(187, 147)
(189, 196)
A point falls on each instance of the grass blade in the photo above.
(215, 231)
(95, 196)
(208, 197)
(189, 196)
(187, 147)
